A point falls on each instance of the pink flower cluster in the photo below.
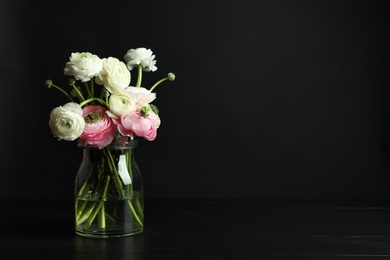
(100, 129)
(136, 124)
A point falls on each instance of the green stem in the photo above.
(83, 192)
(86, 213)
(62, 91)
(129, 188)
(79, 207)
(102, 217)
(92, 216)
(110, 219)
(130, 192)
(134, 212)
(84, 189)
(78, 92)
(92, 87)
(128, 162)
(99, 209)
(118, 185)
(81, 203)
(140, 209)
(102, 93)
(114, 171)
(139, 78)
(91, 100)
(89, 93)
(85, 208)
(105, 188)
(158, 83)
(102, 212)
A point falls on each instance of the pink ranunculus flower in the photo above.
(142, 126)
(99, 129)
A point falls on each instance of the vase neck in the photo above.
(115, 146)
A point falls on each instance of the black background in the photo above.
(273, 99)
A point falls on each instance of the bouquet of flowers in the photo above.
(118, 110)
(104, 109)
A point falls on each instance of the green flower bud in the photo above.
(145, 111)
(48, 83)
(72, 82)
(171, 76)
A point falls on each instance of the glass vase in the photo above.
(109, 193)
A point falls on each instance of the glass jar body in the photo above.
(109, 193)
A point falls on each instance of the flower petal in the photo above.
(122, 170)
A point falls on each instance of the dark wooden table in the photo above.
(205, 229)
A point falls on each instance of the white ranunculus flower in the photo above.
(140, 96)
(67, 122)
(83, 66)
(121, 104)
(114, 75)
(142, 56)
